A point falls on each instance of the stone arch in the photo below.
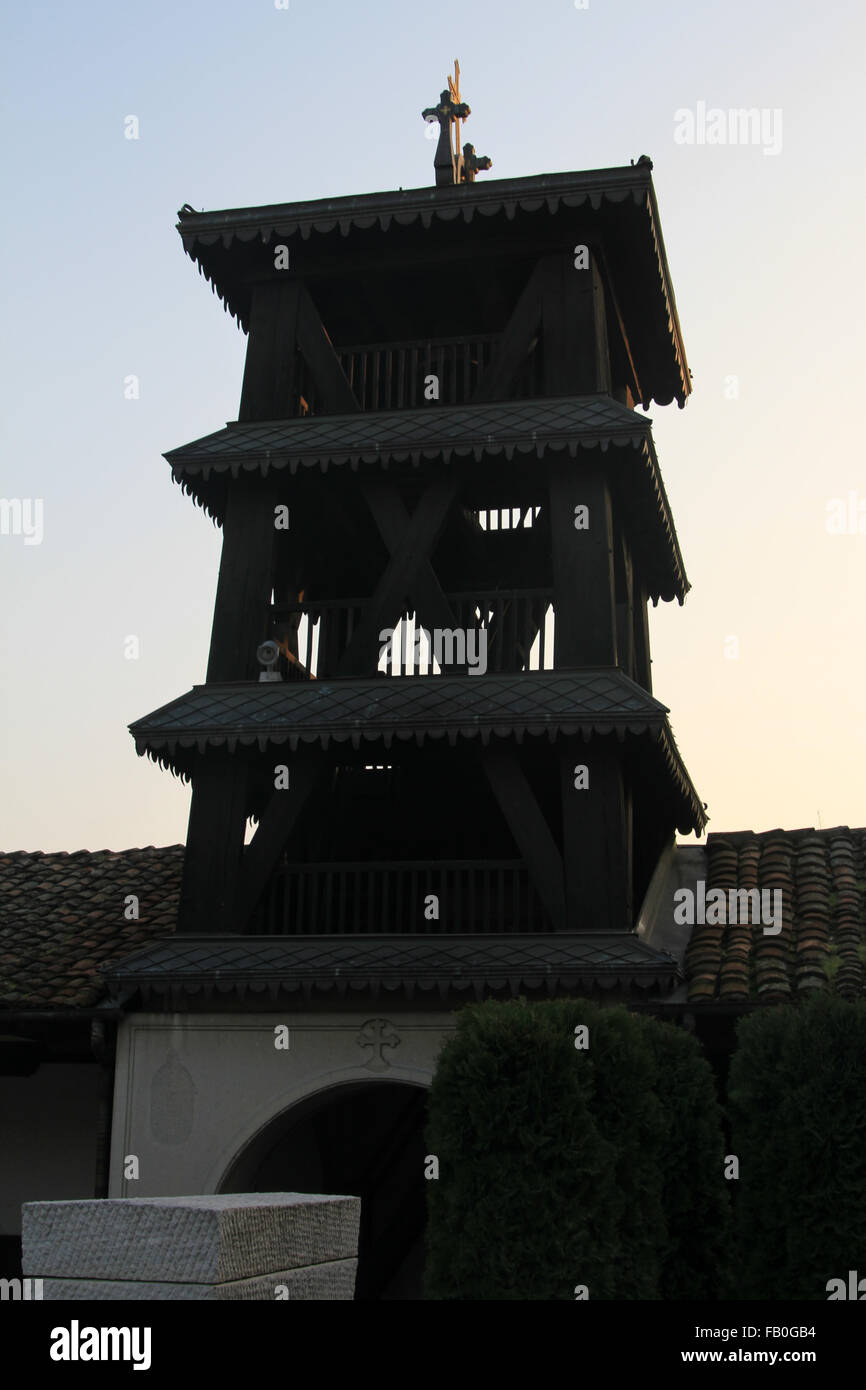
(359, 1137)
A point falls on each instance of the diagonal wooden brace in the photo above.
(410, 540)
(531, 832)
(516, 341)
(280, 817)
(335, 395)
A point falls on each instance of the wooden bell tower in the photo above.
(428, 709)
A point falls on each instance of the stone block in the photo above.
(188, 1240)
(334, 1280)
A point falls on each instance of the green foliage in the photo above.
(695, 1194)
(798, 1110)
(524, 1207)
(557, 1164)
(628, 1114)
(832, 963)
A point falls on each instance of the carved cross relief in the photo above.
(377, 1034)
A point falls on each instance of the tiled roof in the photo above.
(624, 195)
(429, 204)
(62, 917)
(414, 965)
(822, 945)
(63, 933)
(410, 708)
(467, 431)
(399, 707)
(507, 428)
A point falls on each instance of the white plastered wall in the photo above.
(192, 1090)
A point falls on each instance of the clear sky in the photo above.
(242, 103)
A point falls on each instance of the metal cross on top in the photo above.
(450, 163)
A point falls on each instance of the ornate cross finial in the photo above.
(472, 162)
(450, 164)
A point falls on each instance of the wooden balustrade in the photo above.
(473, 896)
(497, 630)
(392, 376)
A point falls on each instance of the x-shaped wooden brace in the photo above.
(516, 641)
(409, 575)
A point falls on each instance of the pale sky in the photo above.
(241, 103)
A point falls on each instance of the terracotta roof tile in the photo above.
(822, 943)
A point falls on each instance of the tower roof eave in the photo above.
(441, 968)
(226, 243)
(509, 429)
(381, 713)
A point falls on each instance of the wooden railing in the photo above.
(494, 630)
(512, 619)
(391, 376)
(472, 896)
(320, 631)
(394, 376)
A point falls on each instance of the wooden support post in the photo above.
(279, 819)
(283, 322)
(628, 390)
(214, 844)
(245, 579)
(624, 605)
(566, 305)
(574, 328)
(531, 832)
(270, 387)
(597, 838)
(642, 660)
(583, 573)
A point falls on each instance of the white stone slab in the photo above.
(332, 1281)
(197, 1240)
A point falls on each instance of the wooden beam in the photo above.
(409, 573)
(624, 605)
(214, 844)
(597, 838)
(531, 831)
(279, 819)
(245, 577)
(284, 322)
(574, 329)
(612, 302)
(642, 659)
(392, 519)
(334, 394)
(522, 328)
(270, 386)
(328, 264)
(583, 574)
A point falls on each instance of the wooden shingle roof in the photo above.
(416, 966)
(621, 202)
(506, 430)
(387, 711)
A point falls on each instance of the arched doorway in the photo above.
(363, 1139)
